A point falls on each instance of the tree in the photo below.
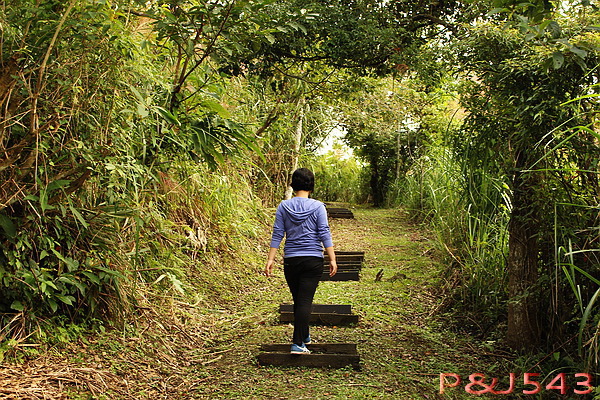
(83, 133)
(367, 36)
(517, 103)
(57, 100)
(388, 125)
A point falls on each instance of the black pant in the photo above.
(302, 275)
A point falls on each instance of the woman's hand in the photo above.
(332, 267)
(270, 262)
(332, 261)
(269, 268)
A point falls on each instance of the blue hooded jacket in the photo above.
(303, 221)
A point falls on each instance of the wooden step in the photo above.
(347, 258)
(321, 308)
(337, 212)
(341, 216)
(342, 275)
(322, 314)
(326, 319)
(315, 348)
(346, 262)
(345, 266)
(350, 253)
(309, 360)
(325, 355)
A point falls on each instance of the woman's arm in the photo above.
(278, 228)
(325, 236)
(270, 261)
(332, 261)
(276, 238)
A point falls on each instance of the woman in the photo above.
(303, 221)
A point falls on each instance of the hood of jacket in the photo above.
(299, 209)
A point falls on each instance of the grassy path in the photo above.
(402, 346)
(207, 350)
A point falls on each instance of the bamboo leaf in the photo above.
(8, 226)
(92, 277)
(215, 107)
(167, 115)
(17, 306)
(58, 184)
(78, 216)
(585, 317)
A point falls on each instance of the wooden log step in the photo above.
(341, 253)
(335, 212)
(310, 360)
(342, 275)
(324, 348)
(347, 264)
(327, 319)
(321, 308)
(322, 314)
(341, 216)
(347, 258)
(345, 268)
(325, 355)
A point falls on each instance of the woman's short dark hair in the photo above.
(303, 179)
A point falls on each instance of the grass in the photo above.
(207, 350)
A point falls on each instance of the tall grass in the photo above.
(577, 258)
(467, 212)
(339, 178)
(196, 220)
(185, 235)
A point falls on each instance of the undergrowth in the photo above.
(187, 241)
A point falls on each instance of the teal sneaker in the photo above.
(307, 340)
(299, 349)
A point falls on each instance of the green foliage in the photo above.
(85, 136)
(129, 171)
(57, 100)
(474, 239)
(339, 177)
(520, 135)
(389, 125)
(47, 268)
(370, 37)
(521, 131)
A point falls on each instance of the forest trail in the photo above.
(403, 346)
(402, 343)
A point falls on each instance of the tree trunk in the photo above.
(297, 143)
(523, 249)
(375, 184)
